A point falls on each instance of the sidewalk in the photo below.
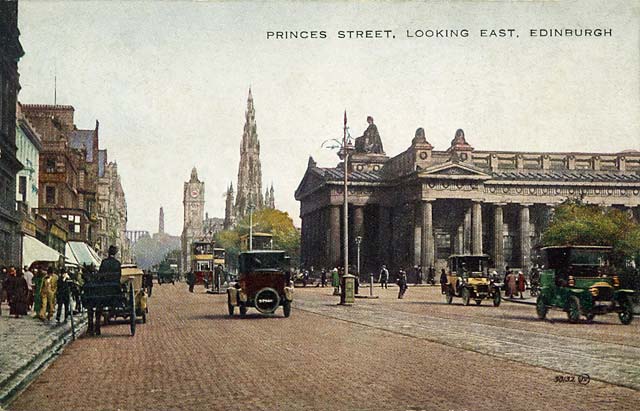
(28, 346)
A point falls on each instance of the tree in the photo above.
(577, 223)
(275, 222)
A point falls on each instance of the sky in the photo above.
(168, 81)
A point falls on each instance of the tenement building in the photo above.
(423, 205)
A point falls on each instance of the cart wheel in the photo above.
(541, 308)
(243, 310)
(573, 309)
(466, 296)
(497, 298)
(286, 306)
(626, 315)
(132, 308)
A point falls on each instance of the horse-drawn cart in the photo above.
(117, 295)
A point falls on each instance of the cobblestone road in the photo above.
(191, 356)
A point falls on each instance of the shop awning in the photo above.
(82, 253)
(34, 250)
(69, 257)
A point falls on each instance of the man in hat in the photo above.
(109, 265)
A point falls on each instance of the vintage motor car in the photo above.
(166, 274)
(581, 281)
(469, 279)
(263, 283)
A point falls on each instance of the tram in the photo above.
(202, 261)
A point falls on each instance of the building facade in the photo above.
(28, 145)
(193, 203)
(423, 205)
(10, 53)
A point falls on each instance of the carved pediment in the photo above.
(310, 182)
(451, 170)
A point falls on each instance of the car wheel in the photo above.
(573, 309)
(448, 296)
(590, 316)
(497, 298)
(626, 315)
(243, 310)
(541, 308)
(478, 302)
(286, 307)
(466, 296)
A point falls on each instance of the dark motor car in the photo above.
(581, 281)
(263, 283)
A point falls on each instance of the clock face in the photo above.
(194, 193)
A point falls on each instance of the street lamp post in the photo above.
(251, 227)
(358, 242)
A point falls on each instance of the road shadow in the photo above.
(236, 316)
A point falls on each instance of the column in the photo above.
(498, 239)
(525, 239)
(417, 234)
(460, 239)
(466, 247)
(383, 235)
(334, 236)
(476, 229)
(303, 239)
(427, 251)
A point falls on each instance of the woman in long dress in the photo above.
(17, 293)
(512, 285)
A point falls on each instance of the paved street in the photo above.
(409, 354)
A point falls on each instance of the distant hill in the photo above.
(149, 251)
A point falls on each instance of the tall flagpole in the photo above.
(346, 203)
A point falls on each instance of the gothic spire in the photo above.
(161, 221)
(249, 189)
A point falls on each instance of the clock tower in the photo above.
(193, 202)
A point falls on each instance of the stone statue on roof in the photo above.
(459, 139)
(370, 141)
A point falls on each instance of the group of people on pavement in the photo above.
(40, 290)
(514, 283)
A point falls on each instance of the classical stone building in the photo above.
(193, 202)
(249, 188)
(421, 206)
(10, 53)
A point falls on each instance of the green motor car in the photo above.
(580, 281)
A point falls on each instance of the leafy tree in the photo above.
(577, 223)
(275, 222)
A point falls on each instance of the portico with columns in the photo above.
(423, 205)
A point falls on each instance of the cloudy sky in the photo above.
(168, 81)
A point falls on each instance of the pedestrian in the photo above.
(418, 274)
(335, 281)
(63, 295)
(191, 280)
(511, 280)
(38, 276)
(75, 284)
(521, 284)
(47, 296)
(323, 278)
(443, 281)
(17, 292)
(148, 282)
(402, 283)
(54, 288)
(28, 276)
(383, 279)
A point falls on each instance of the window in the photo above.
(50, 194)
(74, 223)
(50, 165)
(22, 188)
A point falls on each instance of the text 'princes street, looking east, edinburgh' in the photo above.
(384, 34)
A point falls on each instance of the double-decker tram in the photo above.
(202, 261)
